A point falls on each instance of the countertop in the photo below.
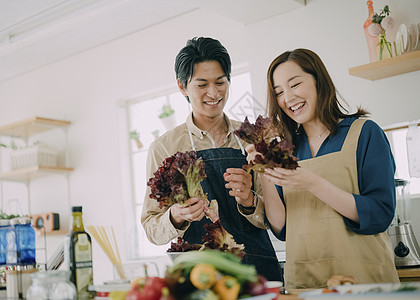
(409, 274)
(290, 297)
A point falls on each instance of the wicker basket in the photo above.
(38, 155)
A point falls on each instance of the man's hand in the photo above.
(191, 210)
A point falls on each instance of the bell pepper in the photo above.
(203, 276)
(151, 290)
(227, 288)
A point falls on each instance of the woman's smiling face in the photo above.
(296, 92)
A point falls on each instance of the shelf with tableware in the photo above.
(34, 161)
(23, 158)
(397, 65)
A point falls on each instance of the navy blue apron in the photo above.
(258, 248)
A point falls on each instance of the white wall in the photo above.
(86, 88)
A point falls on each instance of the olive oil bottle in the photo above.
(78, 254)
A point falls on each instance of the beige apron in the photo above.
(318, 244)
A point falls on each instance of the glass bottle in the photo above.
(25, 241)
(11, 256)
(4, 226)
(372, 41)
(78, 254)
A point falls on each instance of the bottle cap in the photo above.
(76, 209)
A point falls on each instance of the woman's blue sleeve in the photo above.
(375, 168)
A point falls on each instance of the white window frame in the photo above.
(396, 134)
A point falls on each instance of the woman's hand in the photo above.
(191, 210)
(301, 178)
(240, 181)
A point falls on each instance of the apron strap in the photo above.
(191, 139)
(237, 139)
(351, 141)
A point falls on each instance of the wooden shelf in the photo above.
(26, 174)
(405, 63)
(31, 126)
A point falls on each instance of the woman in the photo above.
(338, 203)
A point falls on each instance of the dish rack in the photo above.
(37, 155)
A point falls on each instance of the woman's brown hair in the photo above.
(329, 109)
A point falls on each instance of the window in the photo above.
(143, 115)
(397, 136)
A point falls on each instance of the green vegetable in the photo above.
(8, 217)
(224, 262)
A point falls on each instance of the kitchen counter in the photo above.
(289, 297)
(358, 294)
(409, 274)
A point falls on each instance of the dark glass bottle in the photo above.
(79, 254)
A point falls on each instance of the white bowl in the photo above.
(173, 255)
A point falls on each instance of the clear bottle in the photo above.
(78, 254)
(25, 241)
(4, 226)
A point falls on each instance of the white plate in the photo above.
(418, 36)
(261, 297)
(173, 255)
(401, 39)
(367, 291)
(413, 32)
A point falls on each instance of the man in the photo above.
(203, 69)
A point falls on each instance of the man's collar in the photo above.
(198, 132)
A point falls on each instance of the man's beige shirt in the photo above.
(156, 222)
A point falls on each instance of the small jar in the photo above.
(39, 287)
(4, 226)
(54, 285)
(25, 241)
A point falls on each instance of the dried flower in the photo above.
(375, 29)
(387, 23)
(381, 22)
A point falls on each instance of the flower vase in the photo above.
(169, 122)
(384, 48)
(371, 40)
